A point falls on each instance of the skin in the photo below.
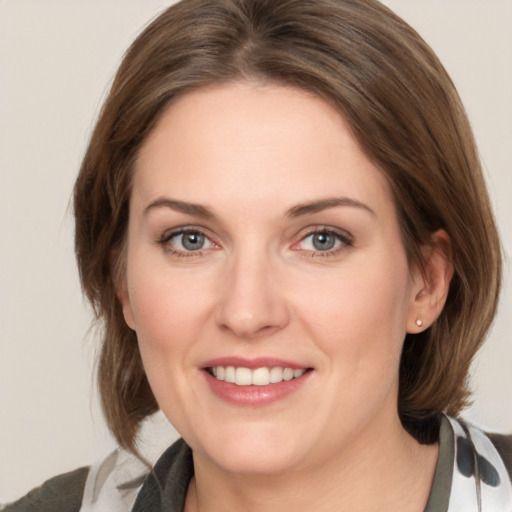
(249, 153)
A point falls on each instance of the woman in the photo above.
(282, 224)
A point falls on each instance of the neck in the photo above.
(383, 469)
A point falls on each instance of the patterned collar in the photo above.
(480, 480)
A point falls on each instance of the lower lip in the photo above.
(255, 396)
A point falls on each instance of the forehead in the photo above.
(254, 142)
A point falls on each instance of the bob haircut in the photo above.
(402, 107)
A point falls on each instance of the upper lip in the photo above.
(253, 363)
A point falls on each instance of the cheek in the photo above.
(162, 309)
(360, 313)
(168, 323)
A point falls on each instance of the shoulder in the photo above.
(486, 460)
(503, 444)
(61, 493)
(473, 469)
(487, 445)
(115, 482)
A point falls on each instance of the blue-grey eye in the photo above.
(186, 242)
(323, 241)
(192, 240)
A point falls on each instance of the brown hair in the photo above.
(402, 107)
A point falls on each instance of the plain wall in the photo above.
(57, 58)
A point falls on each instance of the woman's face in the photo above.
(264, 245)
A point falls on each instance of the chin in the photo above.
(257, 462)
(253, 451)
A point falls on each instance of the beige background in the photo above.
(57, 57)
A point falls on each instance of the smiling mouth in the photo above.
(264, 376)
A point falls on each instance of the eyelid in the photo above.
(167, 235)
(346, 239)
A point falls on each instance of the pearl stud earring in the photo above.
(419, 322)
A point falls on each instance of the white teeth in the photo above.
(243, 377)
(261, 377)
(276, 375)
(288, 374)
(264, 376)
(229, 374)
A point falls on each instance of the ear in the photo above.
(431, 283)
(124, 299)
(117, 264)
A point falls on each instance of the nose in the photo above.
(251, 303)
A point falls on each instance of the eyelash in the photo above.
(345, 240)
(166, 237)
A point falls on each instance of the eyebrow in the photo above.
(324, 204)
(196, 210)
(299, 210)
